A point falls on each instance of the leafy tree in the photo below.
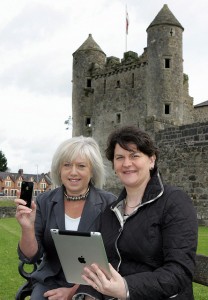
(3, 162)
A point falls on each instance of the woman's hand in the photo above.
(24, 215)
(61, 293)
(114, 286)
(26, 218)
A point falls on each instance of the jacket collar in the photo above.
(90, 212)
(59, 213)
(153, 191)
(92, 209)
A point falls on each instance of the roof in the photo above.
(205, 103)
(89, 44)
(27, 177)
(165, 17)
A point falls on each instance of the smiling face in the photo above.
(76, 175)
(132, 167)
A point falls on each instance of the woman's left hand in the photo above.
(114, 286)
(61, 293)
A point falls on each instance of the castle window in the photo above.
(167, 109)
(118, 118)
(118, 84)
(132, 80)
(89, 83)
(167, 63)
(88, 122)
(104, 86)
(172, 32)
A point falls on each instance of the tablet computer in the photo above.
(77, 250)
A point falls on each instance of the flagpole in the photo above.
(127, 26)
(126, 43)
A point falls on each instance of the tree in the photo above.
(3, 162)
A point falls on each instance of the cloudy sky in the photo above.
(37, 39)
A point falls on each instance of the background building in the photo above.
(10, 183)
(150, 91)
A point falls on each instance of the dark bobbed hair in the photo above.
(131, 135)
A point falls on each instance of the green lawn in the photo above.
(6, 203)
(10, 280)
(200, 291)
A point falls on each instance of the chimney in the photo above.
(20, 172)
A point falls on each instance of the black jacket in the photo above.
(50, 214)
(154, 249)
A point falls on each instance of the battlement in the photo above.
(149, 91)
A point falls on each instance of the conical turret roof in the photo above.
(165, 17)
(89, 44)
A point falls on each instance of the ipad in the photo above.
(77, 250)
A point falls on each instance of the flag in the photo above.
(127, 22)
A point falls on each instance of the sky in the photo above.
(37, 40)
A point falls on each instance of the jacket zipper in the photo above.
(121, 221)
(120, 259)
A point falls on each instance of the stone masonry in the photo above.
(150, 91)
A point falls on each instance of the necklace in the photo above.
(77, 198)
(126, 203)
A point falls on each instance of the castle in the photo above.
(150, 91)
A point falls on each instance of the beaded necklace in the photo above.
(77, 198)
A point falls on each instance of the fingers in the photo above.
(59, 293)
(95, 277)
(22, 203)
(22, 209)
(24, 213)
(89, 280)
(19, 201)
(112, 285)
(114, 273)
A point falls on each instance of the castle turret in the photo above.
(165, 68)
(85, 59)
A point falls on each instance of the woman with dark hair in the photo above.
(150, 232)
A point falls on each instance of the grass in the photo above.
(10, 280)
(203, 241)
(6, 203)
(200, 291)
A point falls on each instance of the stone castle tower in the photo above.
(150, 91)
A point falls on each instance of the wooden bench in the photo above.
(26, 289)
(201, 271)
(200, 276)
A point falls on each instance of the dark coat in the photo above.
(154, 250)
(50, 214)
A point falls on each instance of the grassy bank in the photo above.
(11, 280)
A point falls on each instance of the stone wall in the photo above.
(184, 162)
(7, 212)
(201, 113)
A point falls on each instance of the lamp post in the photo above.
(68, 122)
(37, 179)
